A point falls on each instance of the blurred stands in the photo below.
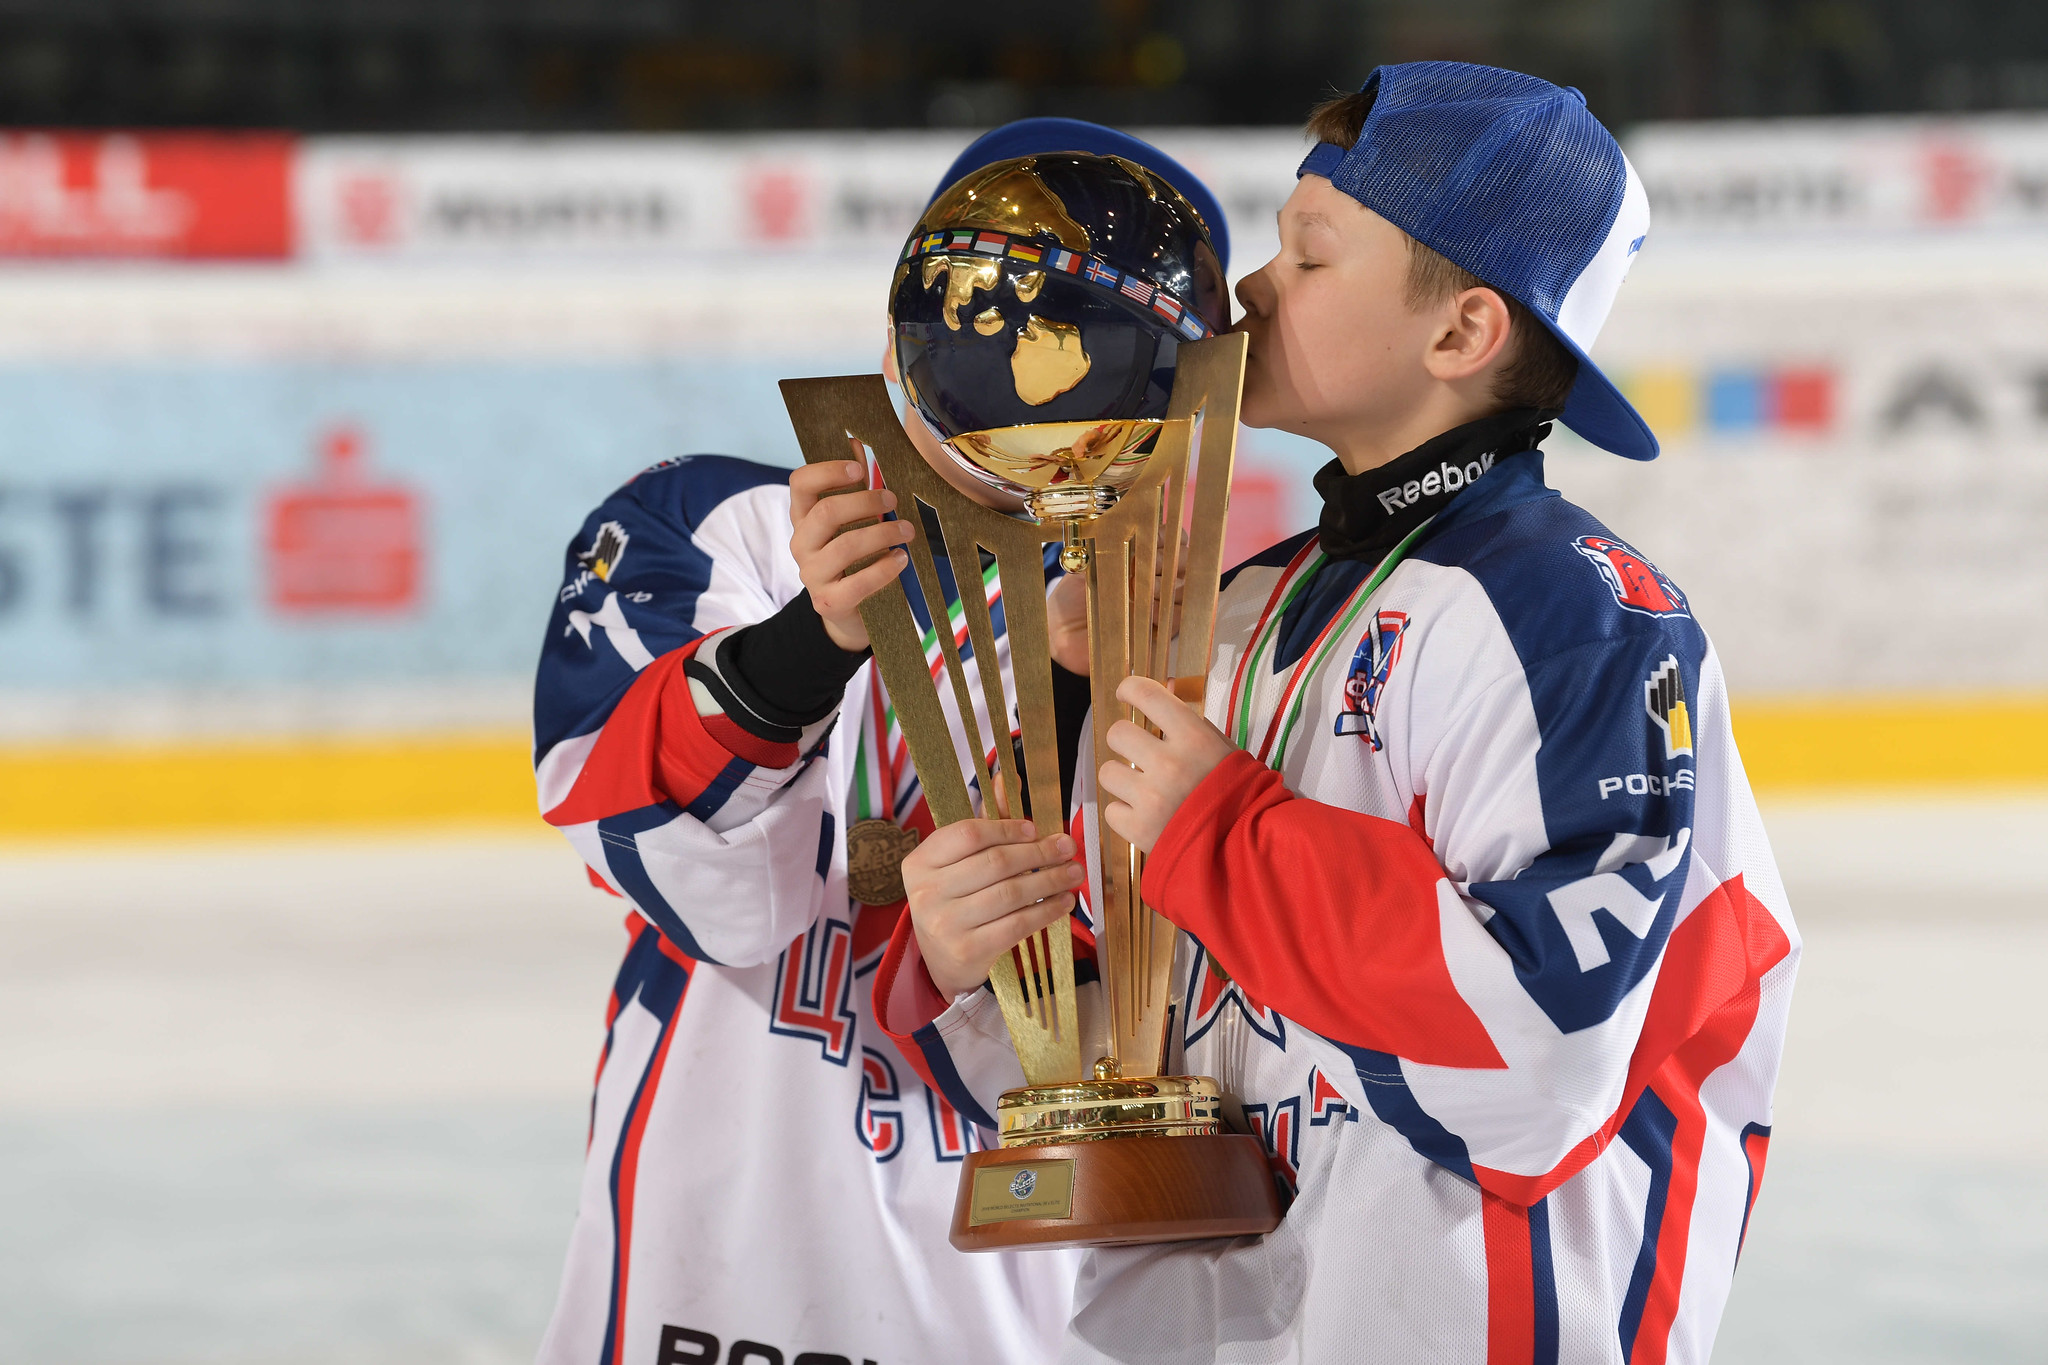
(562, 65)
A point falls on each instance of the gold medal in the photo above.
(875, 850)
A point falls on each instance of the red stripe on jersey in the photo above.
(1084, 937)
(1705, 1002)
(1510, 1283)
(1324, 1099)
(619, 775)
(743, 743)
(654, 747)
(902, 1009)
(1674, 1234)
(635, 926)
(1327, 915)
(629, 1172)
(601, 884)
(874, 926)
(1417, 821)
(673, 953)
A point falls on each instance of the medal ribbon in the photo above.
(1293, 582)
(881, 764)
(877, 763)
(1238, 713)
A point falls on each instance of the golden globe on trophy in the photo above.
(1052, 318)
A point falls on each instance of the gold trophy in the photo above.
(1097, 1148)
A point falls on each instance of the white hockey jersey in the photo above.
(1493, 957)
(767, 1180)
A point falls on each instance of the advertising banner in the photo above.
(601, 198)
(565, 199)
(1846, 178)
(664, 197)
(191, 195)
(325, 523)
(661, 198)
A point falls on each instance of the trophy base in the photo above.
(1114, 1192)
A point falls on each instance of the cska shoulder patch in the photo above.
(1637, 584)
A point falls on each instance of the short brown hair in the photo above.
(1539, 371)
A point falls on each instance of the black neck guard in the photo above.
(1365, 515)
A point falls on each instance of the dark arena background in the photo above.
(565, 66)
(322, 325)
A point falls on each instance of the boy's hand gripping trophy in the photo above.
(1040, 312)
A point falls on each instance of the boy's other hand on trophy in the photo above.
(1160, 771)
(978, 888)
(1066, 608)
(1066, 622)
(833, 551)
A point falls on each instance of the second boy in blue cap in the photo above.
(1483, 932)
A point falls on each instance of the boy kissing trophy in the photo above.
(1053, 322)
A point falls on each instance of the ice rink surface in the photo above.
(324, 1101)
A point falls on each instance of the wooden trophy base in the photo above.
(1114, 1192)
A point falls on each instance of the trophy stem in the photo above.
(1073, 547)
(1070, 502)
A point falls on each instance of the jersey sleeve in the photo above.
(960, 1048)
(718, 838)
(1500, 967)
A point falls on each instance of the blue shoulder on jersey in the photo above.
(633, 567)
(1612, 658)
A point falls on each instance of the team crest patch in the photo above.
(604, 554)
(1371, 665)
(1637, 584)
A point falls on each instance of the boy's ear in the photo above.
(1473, 336)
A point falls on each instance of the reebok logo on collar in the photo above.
(1445, 478)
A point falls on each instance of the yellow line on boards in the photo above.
(1789, 746)
(1849, 743)
(76, 789)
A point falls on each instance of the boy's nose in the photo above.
(1254, 295)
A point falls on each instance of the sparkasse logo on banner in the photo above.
(202, 195)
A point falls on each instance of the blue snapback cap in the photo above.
(1031, 136)
(1513, 179)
